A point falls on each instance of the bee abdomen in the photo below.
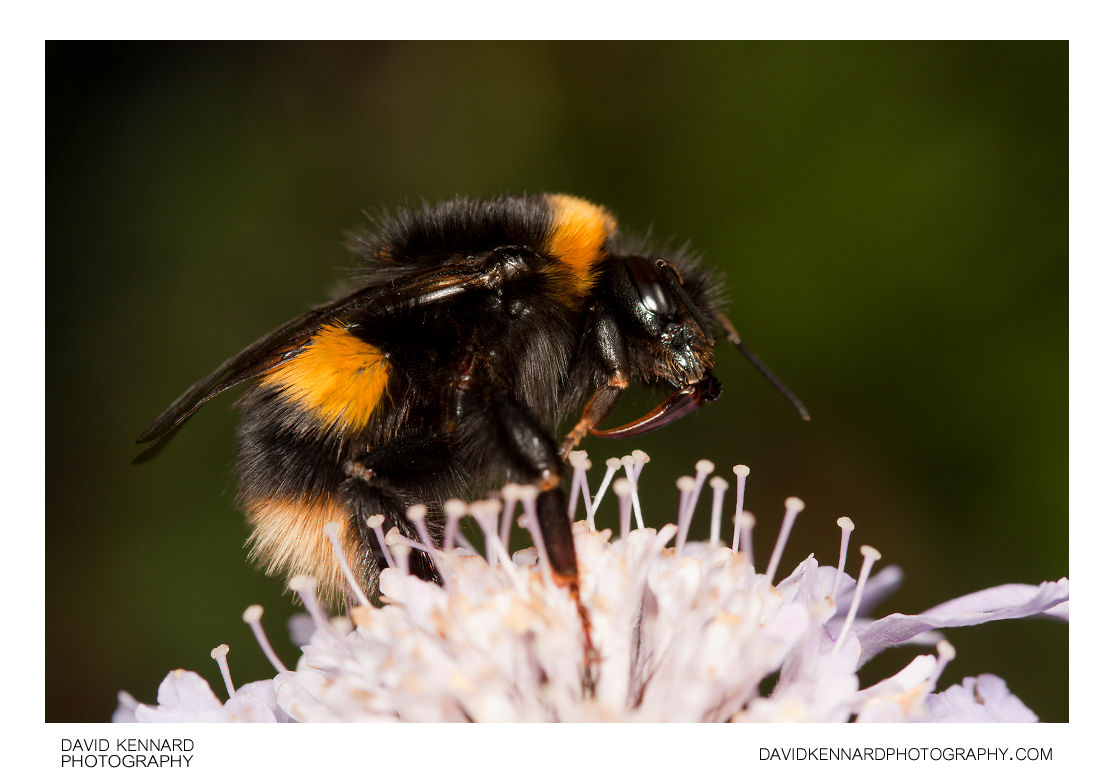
(288, 537)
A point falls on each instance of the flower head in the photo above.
(677, 630)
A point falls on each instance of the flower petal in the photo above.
(982, 699)
(992, 604)
(264, 692)
(184, 696)
(125, 709)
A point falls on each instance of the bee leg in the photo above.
(595, 411)
(535, 456)
(493, 430)
(365, 500)
(497, 429)
(606, 352)
(386, 483)
(531, 457)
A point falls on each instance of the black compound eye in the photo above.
(652, 289)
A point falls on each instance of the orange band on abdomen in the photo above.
(337, 377)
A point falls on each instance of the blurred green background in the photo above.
(892, 219)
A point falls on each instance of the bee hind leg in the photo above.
(364, 501)
(386, 483)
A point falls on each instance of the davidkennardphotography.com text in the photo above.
(902, 754)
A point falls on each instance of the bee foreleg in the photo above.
(605, 349)
(595, 411)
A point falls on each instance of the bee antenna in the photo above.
(760, 366)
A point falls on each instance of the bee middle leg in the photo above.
(496, 430)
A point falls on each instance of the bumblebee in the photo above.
(475, 329)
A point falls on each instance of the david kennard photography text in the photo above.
(127, 753)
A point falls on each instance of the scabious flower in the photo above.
(677, 629)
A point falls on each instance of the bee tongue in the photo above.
(681, 402)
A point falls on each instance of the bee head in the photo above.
(670, 339)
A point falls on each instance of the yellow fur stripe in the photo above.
(579, 232)
(289, 538)
(337, 377)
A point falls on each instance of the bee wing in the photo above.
(255, 360)
(416, 288)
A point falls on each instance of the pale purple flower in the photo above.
(681, 630)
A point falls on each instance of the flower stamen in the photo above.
(703, 469)
(510, 495)
(793, 507)
(719, 488)
(334, 539)
(580, 463)
(306, 588)
(533, 525)
(416, 514)
(375, 523)
(623, 491)
(612, 464)
(487, 515)
(400, 550)
(744, 529)
(251, 617)
(632, 465)
(455, 509)
(870, 556)
(741, 472)
(687, 486)
(846, 526)
(220, 656)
